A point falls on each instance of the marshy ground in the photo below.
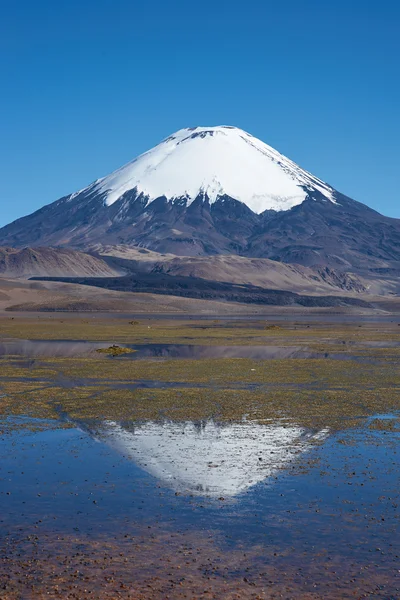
(230, 458)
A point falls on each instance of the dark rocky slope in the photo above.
(347, 235)
(191, 287)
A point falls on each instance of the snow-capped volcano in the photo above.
(214, 162)
(216, 190)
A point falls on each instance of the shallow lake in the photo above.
(268, 496)
(163, 474)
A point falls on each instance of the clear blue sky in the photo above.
(87, 85)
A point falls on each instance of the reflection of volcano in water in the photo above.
(209, 459)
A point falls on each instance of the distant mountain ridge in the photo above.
(217, 190)
(51, 262)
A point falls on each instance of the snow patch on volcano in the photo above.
(215, 161)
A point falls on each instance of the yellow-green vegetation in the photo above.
(310, 392)
(306, 408)
(121, 330)
(114, 350)
(11, 368)
(311, 408)
(149, 330)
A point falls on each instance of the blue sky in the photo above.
(88, 85)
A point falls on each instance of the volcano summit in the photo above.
(213, 162)
(217, 190)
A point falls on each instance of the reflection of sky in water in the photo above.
(207, 458)
(67, 348)
(72, 348)
(66, 481)
(193, 351)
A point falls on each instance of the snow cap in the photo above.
(216, 162)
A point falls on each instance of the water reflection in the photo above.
(57, 348)
(73, 348)
(209, 459)
(189, 351)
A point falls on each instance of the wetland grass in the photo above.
(327, 393)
